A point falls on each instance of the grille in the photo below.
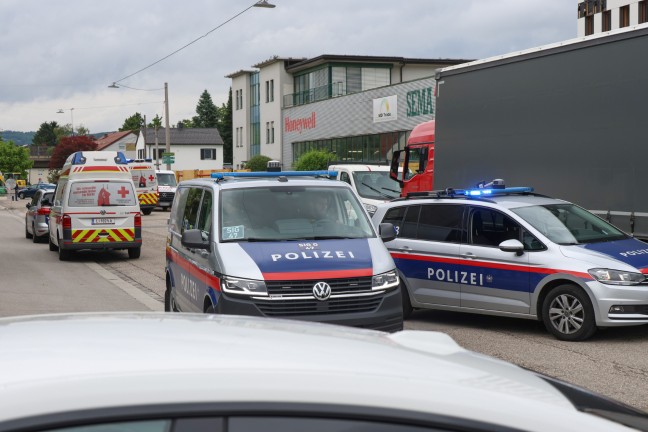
(166, 196)
(294, 307)
(305, 287)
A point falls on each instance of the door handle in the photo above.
(468, 255)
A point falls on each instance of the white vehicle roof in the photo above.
(359, 167)
(66, 362)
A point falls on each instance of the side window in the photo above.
(179, 203)
(489, 227)
(35, 198)
(441, 222)
(410, 223)
(205, 219)
(344, 176)
(395, 216)
(60, 190)
(530, 242)
(190, 217)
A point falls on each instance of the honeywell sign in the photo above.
(297, 125)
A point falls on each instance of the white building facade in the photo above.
(360, 108)
(597, 16)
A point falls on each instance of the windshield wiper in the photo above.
(377, 191)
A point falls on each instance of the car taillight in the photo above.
(43, 211)
(67, 222)
(138, 220)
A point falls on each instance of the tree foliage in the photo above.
(225, 128)
(69, 145)
(157, 121)
(133, 123)
(46, 134)
(14, 159)
(258, 163)
(314, 160)
(207, 113)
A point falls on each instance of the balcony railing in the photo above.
(315, 94)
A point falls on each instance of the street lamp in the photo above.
(60, 111)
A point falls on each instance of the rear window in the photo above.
(102, 194)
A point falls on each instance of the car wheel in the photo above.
(27, 234)
(407, 304)
(52, 246)
(134, 253)
(64, 254)
(34, 236)
(568, 314)
(169, 301)
(147, 211)
(21, 195)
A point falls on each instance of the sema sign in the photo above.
(420, 102)
(385, 109)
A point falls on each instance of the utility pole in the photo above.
(166, 121)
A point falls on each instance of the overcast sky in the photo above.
(63, 54)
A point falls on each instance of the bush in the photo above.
(314, 160)
(258, 163)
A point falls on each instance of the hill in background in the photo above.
(26, 138)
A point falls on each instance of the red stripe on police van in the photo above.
(321, 274)
(205, 277)
(486, 264)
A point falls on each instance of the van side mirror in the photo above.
(512, 245)
(46, 202)
(193, 239)
(387, 231)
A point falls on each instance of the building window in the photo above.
(269, 90)
(624, 16)
(207, 154)
(643, 12)
(239, 99)
(267, 132)
(272, 132)
(589, 25)
(607, 20)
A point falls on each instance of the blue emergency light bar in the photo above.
(275, 174)
(490, 192)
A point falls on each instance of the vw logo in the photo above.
(322, 291)
(102, 211)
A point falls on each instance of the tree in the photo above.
(258, 163)
(69, 145)
(314, 160)
(14, 159)
(225, 128)
(46, 134)
(157, 121)
(207, 112)
(133, 123)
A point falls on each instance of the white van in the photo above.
(167, 185)
(280, 244)
(95, 206)
(146, 184)
(371, 182)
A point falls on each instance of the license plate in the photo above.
(103, 221)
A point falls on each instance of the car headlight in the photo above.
(371, 209)
(617, 277)
(385, 281)
(249, 287)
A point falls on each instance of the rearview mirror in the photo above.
(512, 245)
(387, 232)
(192, 239)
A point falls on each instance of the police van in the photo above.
(511, 252)
(280, 244)
(95, 206)
(146, 183)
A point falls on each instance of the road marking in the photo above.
(129, 289)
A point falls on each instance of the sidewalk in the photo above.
(6, 202)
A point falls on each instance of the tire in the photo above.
(52, 246)
(21, 195)
(27, 235)
(169, 303)
(147, 211)
(64, 254)
(34, 237)
(407, 304)
(134, 253)
(567, 313)
(210, 309)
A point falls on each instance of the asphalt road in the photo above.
(613, 363)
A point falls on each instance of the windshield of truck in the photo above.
(292, 213)
(166, 179)
(376, 185)
(102, 194)
(568, 224)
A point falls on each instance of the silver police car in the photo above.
(510, 252)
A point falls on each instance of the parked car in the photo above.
(37, 216)
(511, 252)
(158, 372)
(29, 191)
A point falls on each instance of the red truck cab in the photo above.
(418, 160)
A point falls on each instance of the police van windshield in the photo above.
(101, 194)
(567, 224)
(376, 185)
(166, 179)
(291, 213)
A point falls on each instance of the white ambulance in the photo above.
(146, 183)
(95, 206)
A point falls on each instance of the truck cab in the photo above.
(418, 161)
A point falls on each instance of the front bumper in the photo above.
(619, 305)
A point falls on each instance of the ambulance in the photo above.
(95, 206)
(146, 184)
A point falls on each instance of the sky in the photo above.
(63, 55)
